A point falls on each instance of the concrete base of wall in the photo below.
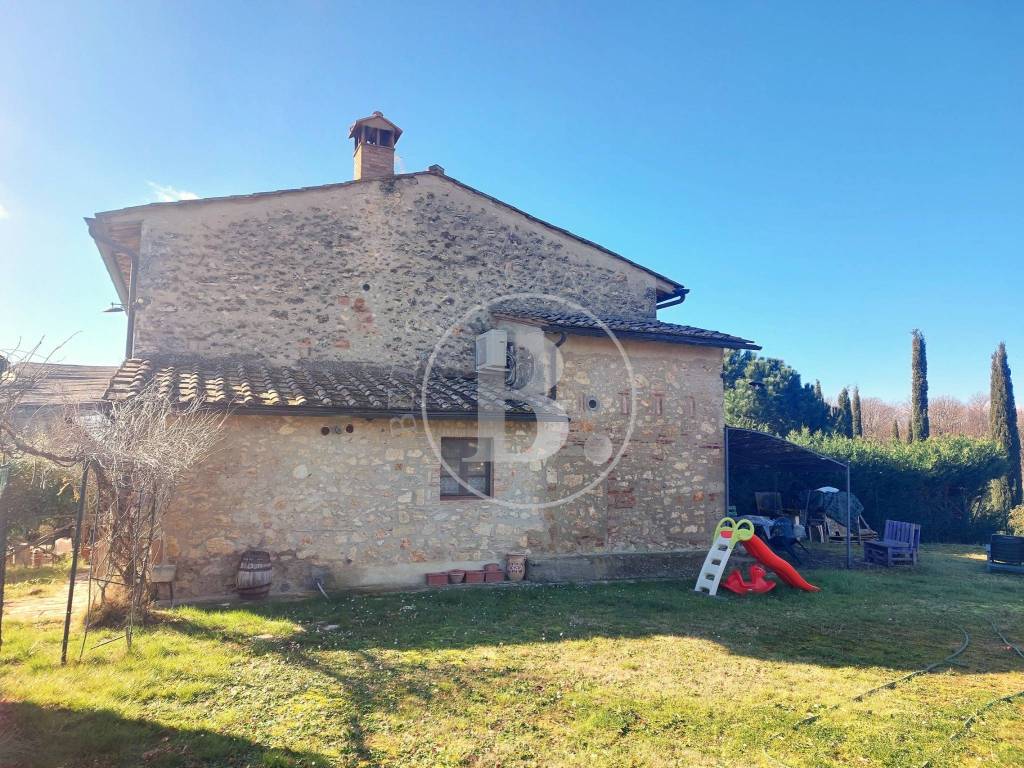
(599, 567)
(560, 569)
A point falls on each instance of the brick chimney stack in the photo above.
(375, 138)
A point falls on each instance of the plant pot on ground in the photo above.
(437, 579)
(515, 566)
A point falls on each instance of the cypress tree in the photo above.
(896, 431)
(855, 417)
(844, 414)
(918, 388)
(1002, 420)
(822, 421)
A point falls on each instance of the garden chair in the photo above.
(898, 545)
(1006, 553)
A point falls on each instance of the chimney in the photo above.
(375, 138)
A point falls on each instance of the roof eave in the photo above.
(103, 241)
(646, 336)
(354, 413)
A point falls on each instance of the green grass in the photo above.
(626, 674)
(23, 581)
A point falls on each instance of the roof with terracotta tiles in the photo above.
(356, 389)
(651, 329)
(59, 384)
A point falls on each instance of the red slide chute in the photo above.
(761, 552)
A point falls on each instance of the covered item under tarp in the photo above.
(827, 507)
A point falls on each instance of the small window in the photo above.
(471, 466)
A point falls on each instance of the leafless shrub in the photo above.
(136, 450)
(143, 446)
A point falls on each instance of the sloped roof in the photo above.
(61, 384)
(350, 388)
(650, 329)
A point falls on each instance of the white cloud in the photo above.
(168, 194)
(4, 213)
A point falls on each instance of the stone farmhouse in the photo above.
(390, 352)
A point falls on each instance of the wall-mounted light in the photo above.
(114, 308)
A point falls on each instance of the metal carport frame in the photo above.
(750, 449)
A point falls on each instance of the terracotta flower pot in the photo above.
(437, 579)
(492, 567)
(492, 576)
(515, 567)
(456, 575)
(475, 577)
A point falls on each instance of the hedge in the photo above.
(941, 483)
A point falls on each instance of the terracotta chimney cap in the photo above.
(374, 140)
(376, 120)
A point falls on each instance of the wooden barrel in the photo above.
(255, 574)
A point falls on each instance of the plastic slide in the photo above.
(761, 552)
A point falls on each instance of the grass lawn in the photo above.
(627, 674)
(23, 581)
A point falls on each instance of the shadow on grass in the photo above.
(367, 680)
(900, 620)
(47, 737)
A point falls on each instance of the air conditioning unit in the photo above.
(491, 349)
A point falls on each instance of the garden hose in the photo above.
(970, 721)
(923, 671)
(949, 660)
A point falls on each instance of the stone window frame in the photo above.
(467, 449)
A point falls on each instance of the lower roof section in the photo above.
(356, 389)
(558, 319)
(57, 384)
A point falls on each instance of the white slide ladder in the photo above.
(727, 533)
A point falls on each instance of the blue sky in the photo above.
(824, 176)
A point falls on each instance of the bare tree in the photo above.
(878, 415)
(137, 450)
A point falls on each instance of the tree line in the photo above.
(768, 395)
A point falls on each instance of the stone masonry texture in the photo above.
(377, 272)
(365, 505)
(368, 272)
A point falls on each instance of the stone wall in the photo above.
(370, 271)
(365, 506)
(665, 491)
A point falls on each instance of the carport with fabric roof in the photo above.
(750, 449)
